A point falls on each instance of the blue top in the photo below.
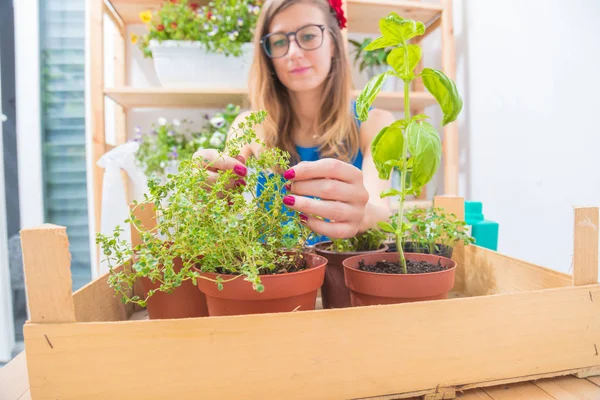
(312, 154)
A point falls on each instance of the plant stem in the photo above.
(400, 220)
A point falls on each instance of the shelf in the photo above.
(363, 15)
(195, 98)
(182, 98)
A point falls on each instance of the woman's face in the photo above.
(301, 69)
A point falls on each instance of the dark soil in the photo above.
(413, 267)
(299, 265)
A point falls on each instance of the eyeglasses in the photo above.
(308, 37)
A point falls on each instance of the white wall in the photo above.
(531, 98)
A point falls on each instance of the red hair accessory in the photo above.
(336, 6)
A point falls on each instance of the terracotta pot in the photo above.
(185, 301)
(334, 292)
(283, 292)
(369, 288)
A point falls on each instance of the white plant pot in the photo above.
(182, 63)
(391, 82)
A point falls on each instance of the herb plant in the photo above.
(410, 144)
(212, 226)
(174, 141)
(431, 228)
(368, 59)
(369, 240)
(222, 26)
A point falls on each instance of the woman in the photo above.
(301, 77)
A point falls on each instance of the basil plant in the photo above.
(411, 144)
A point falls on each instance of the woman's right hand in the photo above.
(214, 163)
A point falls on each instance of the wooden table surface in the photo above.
(14, 385)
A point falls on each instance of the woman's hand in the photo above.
(215, 163)
(343, 196)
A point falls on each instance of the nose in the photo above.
(294, 51)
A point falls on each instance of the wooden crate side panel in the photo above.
(334, 354)
(96, 301)
(488, 272)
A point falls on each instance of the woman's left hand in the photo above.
(343, 196)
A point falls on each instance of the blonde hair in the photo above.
(339, 138)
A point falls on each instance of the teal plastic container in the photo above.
(484, 231)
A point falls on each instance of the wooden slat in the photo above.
(595, 380)
(451, 342)
(518, 391)
(489, 272)
(191, 97)
(47, 265)
(569, 388)
(433, 25)
(14, 383)
(585, 254)
(120, 80)
(114, 16)
(96, 43)
(450, 138)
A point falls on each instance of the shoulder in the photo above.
(378, 119)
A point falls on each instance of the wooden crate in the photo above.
(506, 321)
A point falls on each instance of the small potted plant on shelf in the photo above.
(373, 62)
(185, 38)
(334, 292)
(245, 256)
(414, 146)
(168, 143)
(433, 231)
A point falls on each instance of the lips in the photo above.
(299, 70)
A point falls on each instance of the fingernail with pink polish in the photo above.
(240, 182)
(289, 200)
(303, 218)
(288, 187)
(240, 170)
(289, 174)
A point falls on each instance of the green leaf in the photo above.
(399, 30)
(445, 92)
(400, 163)
(397, 60)
(425, 147)
(419, 116)
(387, 146)
(380, 43)
(389, 192)
(386, 227)
(368, 94)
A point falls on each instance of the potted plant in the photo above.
(169, 143)
(244, 256)
(432, 231)
(373, 62)
(192, 45)
(334, 292)
(414, 146)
